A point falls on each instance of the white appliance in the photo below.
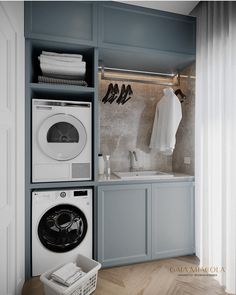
(61, 140)
(61, 227)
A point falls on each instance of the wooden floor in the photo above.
(151, 278)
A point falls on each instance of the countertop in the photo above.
(113, 179)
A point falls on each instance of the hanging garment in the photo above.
(167, 118)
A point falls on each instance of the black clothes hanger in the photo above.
(124, 95)
(179, 92)
(114, 94)
(129, 92)
(121, 94)
(109, 91)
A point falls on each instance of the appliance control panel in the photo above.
(62, 194)
(80, 193)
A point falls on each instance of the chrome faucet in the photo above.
(133, 158)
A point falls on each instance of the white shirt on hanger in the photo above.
(167, 118)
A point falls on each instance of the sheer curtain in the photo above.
(216, 139)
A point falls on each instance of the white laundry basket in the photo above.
(84, 286)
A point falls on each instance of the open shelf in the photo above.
(37, 46)
(62, 88)
(61, 185)
(61, 92)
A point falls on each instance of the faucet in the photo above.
(133, 158)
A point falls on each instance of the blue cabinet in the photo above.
(127, 36)
(135, 27)
(172, 220)
(72, 21)
(136, 38)
(124, 219)
(140, 222)
(112, 24)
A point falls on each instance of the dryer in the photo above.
(61, 227)
(61, 140)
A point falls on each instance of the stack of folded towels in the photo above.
(68, 274)
(62, 68)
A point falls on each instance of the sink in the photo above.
(143, 175)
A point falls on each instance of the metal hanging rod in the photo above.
(137, 72)
(187, 76)
(153, 75)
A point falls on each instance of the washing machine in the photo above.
(61, 227)
(61, 140)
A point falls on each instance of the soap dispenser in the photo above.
(101, 164)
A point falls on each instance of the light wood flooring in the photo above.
(151, 278)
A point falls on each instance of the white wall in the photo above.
(14, 11)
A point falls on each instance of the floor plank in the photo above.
(150, 278)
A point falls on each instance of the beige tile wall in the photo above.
(128, 127)
(185, 134)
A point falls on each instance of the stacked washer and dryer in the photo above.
(61, 151)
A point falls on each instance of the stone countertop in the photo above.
(113, 179)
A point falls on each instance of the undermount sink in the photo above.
(143, 175)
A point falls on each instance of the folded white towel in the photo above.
(58, 62)
(63, 56)
(74, 278)
(167, 118)
(67, 274)
(51, 80)
(75, 72)
(78, 68)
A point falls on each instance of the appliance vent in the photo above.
(80, 170)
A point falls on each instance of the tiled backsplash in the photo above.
(129, 126)
(185, 134)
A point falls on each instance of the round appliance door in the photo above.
(62, 137)
(62, 228)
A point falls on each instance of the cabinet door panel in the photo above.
(131, 26)
(62, 20)
(172, 220)
(124, 224)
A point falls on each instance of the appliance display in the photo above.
(61, 140)
(61, 227)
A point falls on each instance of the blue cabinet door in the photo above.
(172, 220)
(130, 26)
(124, 224)
(73, 21)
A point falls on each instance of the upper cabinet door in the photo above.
(70, 21)
(134, 27)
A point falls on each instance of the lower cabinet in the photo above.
(124, 219)
(172, 219)
(145, 221)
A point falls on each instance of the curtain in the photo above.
(215, 141)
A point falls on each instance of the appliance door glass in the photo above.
(62, 228)
(62, 137)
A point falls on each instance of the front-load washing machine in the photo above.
(61, 227)
(61, 140)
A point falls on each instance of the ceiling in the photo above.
(181, 7)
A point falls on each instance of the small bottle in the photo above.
(100, 164)
(107, 166)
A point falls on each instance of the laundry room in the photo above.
(91, 118)
(117, 125)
